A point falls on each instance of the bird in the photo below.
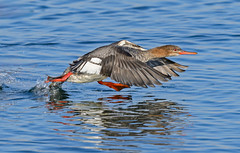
(126, 63)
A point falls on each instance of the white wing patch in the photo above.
(96, 60)
(92, 66)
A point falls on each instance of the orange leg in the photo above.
(115, 86)
(59, 79)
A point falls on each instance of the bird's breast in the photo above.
(84, 78)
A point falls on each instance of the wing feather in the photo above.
(130, 71)
(166, 66)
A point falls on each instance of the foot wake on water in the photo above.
(40, 89)
(6, 78)
(13, 84)
(54, 91)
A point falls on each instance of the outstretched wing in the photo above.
(166, 66)
(127, 70)
(118, 61)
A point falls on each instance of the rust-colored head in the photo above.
(167, 50)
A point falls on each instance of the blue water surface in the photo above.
(196, 112)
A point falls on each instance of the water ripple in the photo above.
(196, 112)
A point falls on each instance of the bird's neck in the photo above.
(156, 52)
(145, 56)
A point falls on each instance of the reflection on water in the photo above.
(118, 120)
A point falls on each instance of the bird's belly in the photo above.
(84, 78)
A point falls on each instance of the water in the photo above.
(197, 112)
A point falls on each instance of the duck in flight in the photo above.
(126, 63)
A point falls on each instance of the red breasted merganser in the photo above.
(126, 63)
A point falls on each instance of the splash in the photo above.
(40, 88)
(6, 77)
(53, 91)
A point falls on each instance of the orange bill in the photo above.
(186, 53)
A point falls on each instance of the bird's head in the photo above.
(168, 50)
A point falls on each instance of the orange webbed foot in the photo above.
(115, 86)
(59, 79)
